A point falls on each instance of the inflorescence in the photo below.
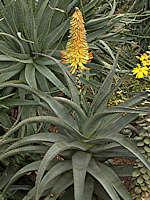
(77, 52)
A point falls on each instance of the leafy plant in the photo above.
(80, 154)
(141, 175)
(31, 32)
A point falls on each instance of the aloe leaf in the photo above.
(68, 194)
(98, 34)
(53, 172)
(130, 102)
(51, 153)
(30, 195)
(17, 102)
(90, 5)
(42, 82)
(113, 8)
(100, 192)
(44, 61)
(26, 112)
(104, 147)
(15, 39)
(107, 48)
(10, 58)
(94, 122)
(57, 34)
(7, 141)
(116, 182)
(30, 75)
(15, 66)
(136, 99)
(52, 78)
(6, 76)
(80, 161)
(31, 148)
(88, 188)
(6, 176)
(97, 22)
(47, 20)
(84, 104)
(65, 181)
(75, 107)
(50, 119)
(28, 168)
(40, 137)
(9, 18)
(71, 5)
(102, 177)
(5, 49)
(125, 142)
(122, 171)
(32, 192)
(59, 109)
(40, 11)
(100, 99)
(71, 85)
(117, 124)
(114, 153)
(5, 119)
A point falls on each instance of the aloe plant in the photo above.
(87, 141)
(29, 30)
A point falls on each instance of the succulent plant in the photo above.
(141, 175)
(80, 154)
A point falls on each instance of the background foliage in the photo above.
(44, 121)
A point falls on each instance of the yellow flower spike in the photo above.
(140, 71)
(77, 51)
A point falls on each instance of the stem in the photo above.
(78, 82)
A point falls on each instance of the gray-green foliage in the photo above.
(32, 34)
(30, 31)
(88, 139)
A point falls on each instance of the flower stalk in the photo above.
(77, 53)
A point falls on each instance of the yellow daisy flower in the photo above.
(77, 52)
(140, 71)
(146, 62)
(144, 56)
